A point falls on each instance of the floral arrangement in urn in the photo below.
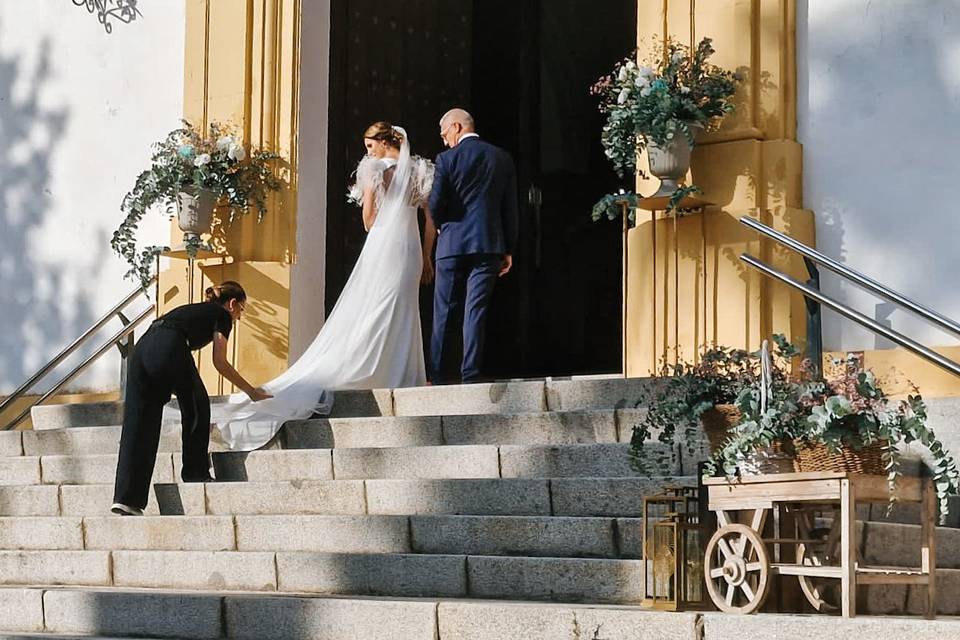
(660, 104)
(196, 173)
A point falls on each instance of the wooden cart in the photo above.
(822, 552)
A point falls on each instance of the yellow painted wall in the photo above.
(242, 69)
(685, 284)
(900, 370)
(15, 409)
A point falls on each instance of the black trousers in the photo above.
(461, 297)
(161, 365)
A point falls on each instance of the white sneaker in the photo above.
(124, 510)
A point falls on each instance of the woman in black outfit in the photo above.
(162, 365)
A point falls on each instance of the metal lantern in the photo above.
(673, 550)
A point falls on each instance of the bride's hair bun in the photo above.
(385, 133)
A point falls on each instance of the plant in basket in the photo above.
(844, 422)
(687, 393)
(773, 413)
(857, 427)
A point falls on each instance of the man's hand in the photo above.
(506, 264)
(426, 276)
(258, 394)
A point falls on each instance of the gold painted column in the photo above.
(242, 70)
(753, 166)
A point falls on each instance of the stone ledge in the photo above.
(178, 615)
(718, 626)
(21, 610)
(538, 621)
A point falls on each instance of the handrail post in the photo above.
(125, 347)
(814, 349)
(866, 321)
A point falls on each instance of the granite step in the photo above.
(448, 461)
(565, 427)
(399, 575)
(534, 536)
(445, 461)
(610, 497)
(520, 396)
(216, 615)
(121, 613)
(882, 544)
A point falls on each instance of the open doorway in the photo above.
(523, 68)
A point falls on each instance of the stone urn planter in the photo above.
(670, 162)
(195, 212)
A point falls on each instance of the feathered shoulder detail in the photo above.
(369, 174)
(421, 181)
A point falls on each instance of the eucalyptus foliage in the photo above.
(849, 410)
(684, 391)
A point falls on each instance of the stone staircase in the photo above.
(504, 510)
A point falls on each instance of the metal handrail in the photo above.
(866, 321)
(80, 368)
(116, 311)
(855, 276)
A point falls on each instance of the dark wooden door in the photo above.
(403, 61)
(559, 313)
(523, 68)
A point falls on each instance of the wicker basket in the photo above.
(717, 422)
(816, 457)
(779, 457)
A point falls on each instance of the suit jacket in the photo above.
(474, 200)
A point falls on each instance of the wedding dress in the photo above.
(372, 338)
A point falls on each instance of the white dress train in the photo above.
(372, 338)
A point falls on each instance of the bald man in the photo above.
(474, 205)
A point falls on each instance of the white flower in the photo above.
(622, 98)
(224, 143)
(623, 74)
(647, 90)
(646, 72)
(684, 89)
(677, 57)
(236, 152)
(631, 65)
(642, 81)
(202, 159)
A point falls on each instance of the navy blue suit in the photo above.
(474, 205)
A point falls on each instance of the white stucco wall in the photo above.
(79, 109)
(878, 110)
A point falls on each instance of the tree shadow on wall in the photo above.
(33, 316)
(878, 96)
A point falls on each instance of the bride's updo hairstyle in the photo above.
(385, 133)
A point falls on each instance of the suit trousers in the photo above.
(462, 292)
(161, 365)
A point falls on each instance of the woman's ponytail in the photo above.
(225, 292)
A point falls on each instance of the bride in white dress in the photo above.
(372, 338)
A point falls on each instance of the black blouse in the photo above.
(198, 322)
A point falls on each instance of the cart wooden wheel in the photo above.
(822, 593)
(737, 569)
